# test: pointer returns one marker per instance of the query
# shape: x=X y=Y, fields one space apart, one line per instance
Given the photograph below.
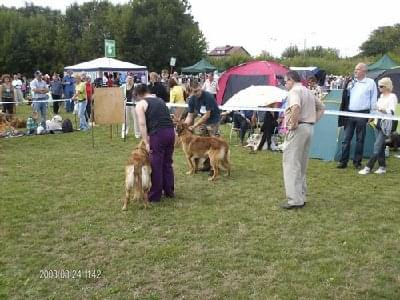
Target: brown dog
x=138 y=175
x=200 y=147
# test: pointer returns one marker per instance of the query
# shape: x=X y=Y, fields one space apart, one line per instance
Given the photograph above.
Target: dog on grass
x=200 y=147
x=138 y=175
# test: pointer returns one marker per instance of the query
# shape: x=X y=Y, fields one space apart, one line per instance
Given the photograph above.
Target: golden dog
x=202 y=147
x=138 y=175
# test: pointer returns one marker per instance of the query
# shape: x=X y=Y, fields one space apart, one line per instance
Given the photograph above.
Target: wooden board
x=109 y=105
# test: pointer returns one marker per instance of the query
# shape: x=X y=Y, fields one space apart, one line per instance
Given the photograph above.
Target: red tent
x=240 y=77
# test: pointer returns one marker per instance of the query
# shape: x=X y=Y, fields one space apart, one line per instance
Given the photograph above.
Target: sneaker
x=365 y=171
x=381 y=170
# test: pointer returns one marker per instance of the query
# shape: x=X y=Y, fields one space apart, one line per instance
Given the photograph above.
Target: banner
x=109 y=48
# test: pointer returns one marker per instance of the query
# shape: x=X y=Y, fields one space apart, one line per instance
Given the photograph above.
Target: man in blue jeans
x=363 y=97
x=40 y=90
x=69 y=91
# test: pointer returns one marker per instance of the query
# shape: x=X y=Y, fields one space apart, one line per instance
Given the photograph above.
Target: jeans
x=379 y=150
x=69 y=104
x=359 y=125
x=82 y=115
x=88 y=110
x=41 y=108
x=56 y=104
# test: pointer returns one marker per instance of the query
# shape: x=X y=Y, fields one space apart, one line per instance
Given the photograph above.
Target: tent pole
x=91 y=120
x=124 y=127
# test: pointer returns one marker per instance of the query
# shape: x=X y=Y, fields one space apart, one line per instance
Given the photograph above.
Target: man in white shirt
x=17 y=84
x=210 y=85
x=40 y=90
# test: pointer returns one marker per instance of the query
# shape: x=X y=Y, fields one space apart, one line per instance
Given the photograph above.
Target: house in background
x=226 y=51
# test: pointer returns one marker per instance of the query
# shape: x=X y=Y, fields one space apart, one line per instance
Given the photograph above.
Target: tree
x=159 y=29
x=382 y=40
x=225 y=63
x=290 y=51
x=147 y=32
x=265 y=55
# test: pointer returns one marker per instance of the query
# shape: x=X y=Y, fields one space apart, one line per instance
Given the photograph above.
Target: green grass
x=61 y=210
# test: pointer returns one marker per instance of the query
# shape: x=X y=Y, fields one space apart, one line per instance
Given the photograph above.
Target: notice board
x=108 y=105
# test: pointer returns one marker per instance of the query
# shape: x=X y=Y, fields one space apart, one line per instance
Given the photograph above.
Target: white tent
x=105 y=64
x=95 y=68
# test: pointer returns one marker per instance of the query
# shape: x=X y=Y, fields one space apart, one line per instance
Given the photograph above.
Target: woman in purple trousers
x=157 y=130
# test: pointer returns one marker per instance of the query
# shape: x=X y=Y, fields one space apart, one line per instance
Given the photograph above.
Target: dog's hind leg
x=127 y=197
x=128 y=185
x=191 y=166
x=225 y=163
x=214 y=161
x=146 y=199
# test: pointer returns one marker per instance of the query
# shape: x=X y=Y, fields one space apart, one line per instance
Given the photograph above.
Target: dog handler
x=157 y=130
x=304 y=110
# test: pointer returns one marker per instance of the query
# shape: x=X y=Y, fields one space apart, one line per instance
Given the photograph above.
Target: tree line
x=383 y=40
x=147 y=32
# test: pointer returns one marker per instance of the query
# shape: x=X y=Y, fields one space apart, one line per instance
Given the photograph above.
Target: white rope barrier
x=37 y=101
x=227 y=108
x=327 y=112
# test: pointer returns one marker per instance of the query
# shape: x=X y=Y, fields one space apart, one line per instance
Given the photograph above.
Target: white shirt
x=17 y=83
x=210 y=87
x=35 y=84
x=387 y=103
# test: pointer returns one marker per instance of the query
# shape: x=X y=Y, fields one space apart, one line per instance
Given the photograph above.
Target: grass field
x=61 y=211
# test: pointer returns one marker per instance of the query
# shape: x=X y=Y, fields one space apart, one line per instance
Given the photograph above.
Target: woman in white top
x=130 y=113
x=386 y=105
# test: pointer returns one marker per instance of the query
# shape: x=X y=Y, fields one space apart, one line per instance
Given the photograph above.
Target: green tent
x=383 y=64
x=327 y=140
x=202 y=66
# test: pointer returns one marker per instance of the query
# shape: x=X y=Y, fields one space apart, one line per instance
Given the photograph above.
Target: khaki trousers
x=294 y=161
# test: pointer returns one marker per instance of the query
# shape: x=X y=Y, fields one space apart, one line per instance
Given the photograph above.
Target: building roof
x=227 y=50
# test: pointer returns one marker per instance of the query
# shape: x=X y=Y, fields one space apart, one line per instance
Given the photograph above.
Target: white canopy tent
x=100 y=65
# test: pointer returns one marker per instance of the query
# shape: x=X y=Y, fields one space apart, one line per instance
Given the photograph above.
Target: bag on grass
x=67 y=126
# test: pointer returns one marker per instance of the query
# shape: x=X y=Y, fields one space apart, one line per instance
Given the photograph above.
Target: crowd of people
x=193 y=100
x=302 y=110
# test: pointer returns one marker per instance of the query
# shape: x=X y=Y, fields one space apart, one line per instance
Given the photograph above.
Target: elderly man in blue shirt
x=363 y=98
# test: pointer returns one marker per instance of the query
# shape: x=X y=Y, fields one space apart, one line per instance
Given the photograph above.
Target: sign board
x=108 y=105
x=109 y=48
x=172 y=62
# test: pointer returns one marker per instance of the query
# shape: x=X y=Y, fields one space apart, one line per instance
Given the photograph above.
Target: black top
x=158 y=89
x=206 y=102
x=157 y=115
x=128 y=96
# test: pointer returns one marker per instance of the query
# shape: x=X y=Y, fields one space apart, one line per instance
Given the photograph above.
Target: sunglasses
x=381 y=86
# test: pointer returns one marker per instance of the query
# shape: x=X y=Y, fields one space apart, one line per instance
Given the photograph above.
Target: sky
x=259 y=25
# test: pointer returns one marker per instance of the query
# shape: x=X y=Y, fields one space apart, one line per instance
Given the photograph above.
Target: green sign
x=109 y=48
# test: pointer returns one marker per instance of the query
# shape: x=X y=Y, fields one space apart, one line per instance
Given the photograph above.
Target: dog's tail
x=137 y=181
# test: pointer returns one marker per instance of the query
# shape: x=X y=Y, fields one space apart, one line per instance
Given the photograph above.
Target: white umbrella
x=255 y=96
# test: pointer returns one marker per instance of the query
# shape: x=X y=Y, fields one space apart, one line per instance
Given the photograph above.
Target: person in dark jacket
x=157 y=88
x=158 y=133
x=268 y=128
